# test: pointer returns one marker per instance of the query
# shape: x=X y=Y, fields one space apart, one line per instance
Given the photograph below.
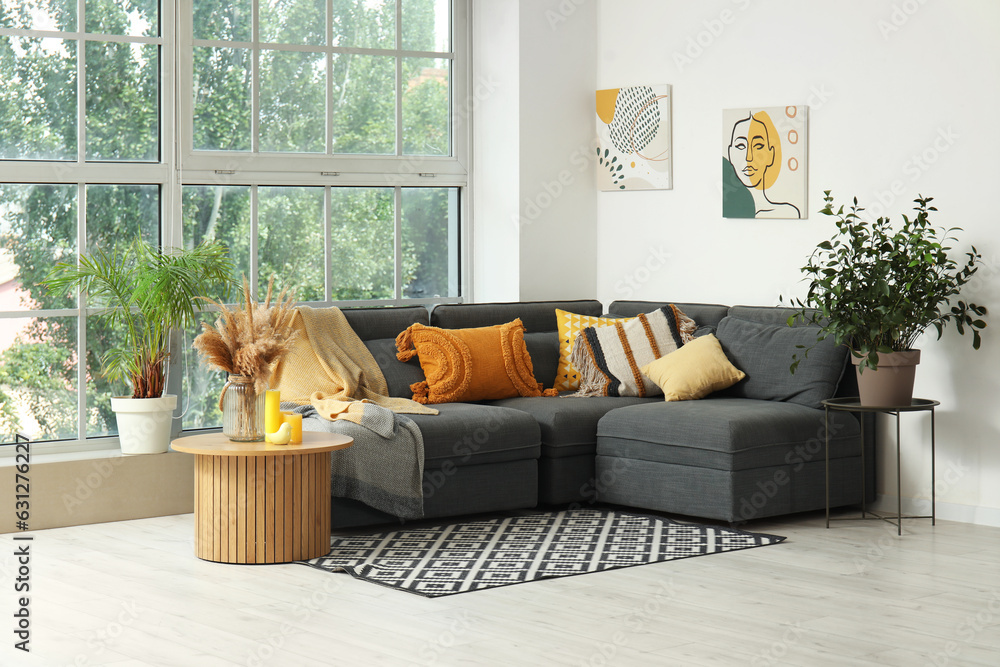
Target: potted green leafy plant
x=877 y=289
x=145 y=293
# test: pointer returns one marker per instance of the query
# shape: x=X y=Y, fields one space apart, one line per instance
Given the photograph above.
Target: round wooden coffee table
x=255 y=502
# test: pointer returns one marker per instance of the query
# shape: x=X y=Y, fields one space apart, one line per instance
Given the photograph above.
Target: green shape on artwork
x=736 y=201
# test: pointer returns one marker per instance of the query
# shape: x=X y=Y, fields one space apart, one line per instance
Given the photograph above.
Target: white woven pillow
x=609 y=357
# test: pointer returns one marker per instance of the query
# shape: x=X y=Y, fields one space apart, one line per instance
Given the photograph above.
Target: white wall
x=495 y=173
x=558 y=62
x=535 y=215
x=900 y=104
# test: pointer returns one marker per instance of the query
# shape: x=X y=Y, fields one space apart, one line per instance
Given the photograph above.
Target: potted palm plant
x=878 y=289
x=145 y=293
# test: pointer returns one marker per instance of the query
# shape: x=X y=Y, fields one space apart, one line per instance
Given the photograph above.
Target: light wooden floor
x=132 y=593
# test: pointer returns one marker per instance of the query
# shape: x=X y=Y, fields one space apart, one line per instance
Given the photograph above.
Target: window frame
x=179 y=165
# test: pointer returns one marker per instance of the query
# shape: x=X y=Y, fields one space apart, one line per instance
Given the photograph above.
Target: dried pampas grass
x=251 y=338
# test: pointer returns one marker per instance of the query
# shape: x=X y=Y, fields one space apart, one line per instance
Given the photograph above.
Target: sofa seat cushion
x=725 y=433
x=470 y=434
x=569 y=425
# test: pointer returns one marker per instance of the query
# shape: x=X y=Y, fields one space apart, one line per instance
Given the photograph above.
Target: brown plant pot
x=891 y=384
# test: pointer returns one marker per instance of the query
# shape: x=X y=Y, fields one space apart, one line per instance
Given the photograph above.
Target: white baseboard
x=981 y=516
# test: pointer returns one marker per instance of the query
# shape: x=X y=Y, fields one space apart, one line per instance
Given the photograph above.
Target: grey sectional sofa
x=752 y=451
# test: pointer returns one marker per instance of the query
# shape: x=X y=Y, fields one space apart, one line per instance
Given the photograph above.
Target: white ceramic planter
x=144 y=423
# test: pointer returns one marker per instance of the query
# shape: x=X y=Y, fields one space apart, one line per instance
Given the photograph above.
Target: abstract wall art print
x=764 y=162
x=633 y=138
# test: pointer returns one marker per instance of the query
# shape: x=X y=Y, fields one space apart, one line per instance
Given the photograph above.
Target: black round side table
x=853 y=404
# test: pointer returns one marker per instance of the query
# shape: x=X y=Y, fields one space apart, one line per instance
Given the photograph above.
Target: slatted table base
x=262 y=509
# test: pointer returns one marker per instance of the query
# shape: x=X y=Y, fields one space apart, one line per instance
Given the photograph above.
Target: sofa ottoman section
x=732 y=459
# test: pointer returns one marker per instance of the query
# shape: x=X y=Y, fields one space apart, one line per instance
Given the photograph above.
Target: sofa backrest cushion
x=543 y=347
x=536 y=316
x=764 y=352
x=378 y=328
x=766 y=315
x=374 y=323
x=706 y=315
x=398 y=375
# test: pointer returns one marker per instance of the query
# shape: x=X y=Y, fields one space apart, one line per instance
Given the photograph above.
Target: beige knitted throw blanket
x=331 y=369
x=338 y=387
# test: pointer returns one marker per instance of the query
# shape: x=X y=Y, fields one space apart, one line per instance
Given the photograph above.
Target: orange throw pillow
x=470 y=364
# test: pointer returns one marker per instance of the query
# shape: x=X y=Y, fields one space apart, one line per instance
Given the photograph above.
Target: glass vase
x=242 y=410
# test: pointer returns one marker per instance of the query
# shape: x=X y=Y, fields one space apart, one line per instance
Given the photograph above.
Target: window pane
x=118 y=213
x=38 y=378
x=38 y=226
x=292 y=102
x=139 y=18
x=368 y=24
x=362 y=222
x=430 y=242
x=37 y=98
x=426 y=128
x=219 y=213
x=290 y=233
x=426 y=25
x=100 y=418
x=221 y=99
x=201 y=386
x=38 y=14
x=364 y=104
x=223 y=19
x=122 y=101
x=293 y=21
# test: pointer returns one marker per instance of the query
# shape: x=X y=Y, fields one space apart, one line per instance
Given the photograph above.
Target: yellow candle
x=296 y=421
x=272 y=411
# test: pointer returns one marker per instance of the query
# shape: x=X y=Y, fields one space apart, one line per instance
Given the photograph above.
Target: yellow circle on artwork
x=633 y=165
x=606 y=100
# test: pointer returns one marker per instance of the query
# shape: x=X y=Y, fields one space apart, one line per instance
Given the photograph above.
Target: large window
x=315 y=138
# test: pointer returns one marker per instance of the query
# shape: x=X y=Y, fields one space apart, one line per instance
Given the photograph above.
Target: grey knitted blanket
x=384 y=469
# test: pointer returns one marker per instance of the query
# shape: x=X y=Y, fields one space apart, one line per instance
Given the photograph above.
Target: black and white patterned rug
x=471 y=556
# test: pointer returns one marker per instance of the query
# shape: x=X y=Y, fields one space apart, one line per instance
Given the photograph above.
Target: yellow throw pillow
x=570 y=325
x=694 y=370
x=476 y=364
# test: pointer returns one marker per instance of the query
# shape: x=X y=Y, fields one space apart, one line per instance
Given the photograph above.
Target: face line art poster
x=764 y=162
